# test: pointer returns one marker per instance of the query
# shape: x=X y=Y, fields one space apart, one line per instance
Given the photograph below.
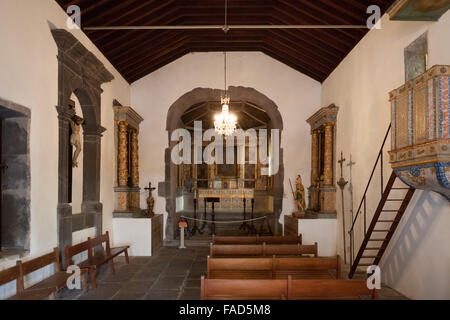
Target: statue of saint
x=75 y=138
x=299 y=198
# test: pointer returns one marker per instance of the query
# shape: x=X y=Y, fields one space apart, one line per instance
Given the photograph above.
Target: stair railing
x=363 y=204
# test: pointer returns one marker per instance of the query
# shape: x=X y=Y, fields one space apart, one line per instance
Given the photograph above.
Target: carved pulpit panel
x=127 y=191
x=322 y=191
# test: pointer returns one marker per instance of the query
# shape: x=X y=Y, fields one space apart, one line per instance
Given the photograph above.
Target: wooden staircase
x=383 y=225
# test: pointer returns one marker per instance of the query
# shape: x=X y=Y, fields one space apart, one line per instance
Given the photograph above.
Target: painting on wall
x=418 y=10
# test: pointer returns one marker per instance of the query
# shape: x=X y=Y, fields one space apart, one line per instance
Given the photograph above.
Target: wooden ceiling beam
x=290 y=61
x=148 y=67
x=297 y=55
x=319 y=37
x=318 y=53
x=130 y=17
x=288 y=7
x=149 y=49
x=151 y=55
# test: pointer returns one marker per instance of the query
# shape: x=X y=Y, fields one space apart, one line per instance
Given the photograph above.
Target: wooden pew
x=307 y=268
x=238 y=289
x=41 y=290
x=97 y=259
x=258 y=239
x=307 y=289
x=258 y=250
x=273 y=268
x=219 y=289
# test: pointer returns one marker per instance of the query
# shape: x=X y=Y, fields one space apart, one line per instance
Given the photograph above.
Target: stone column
x=134 y=159
x=123 y=155
x=314 y=158
x=328 y=155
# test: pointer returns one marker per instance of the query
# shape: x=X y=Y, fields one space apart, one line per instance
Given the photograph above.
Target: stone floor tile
x=190 y=294
x=102 y=292
x=168 y=283
x=162 y=295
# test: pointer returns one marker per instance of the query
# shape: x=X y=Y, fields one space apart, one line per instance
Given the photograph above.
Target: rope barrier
x=224 y=222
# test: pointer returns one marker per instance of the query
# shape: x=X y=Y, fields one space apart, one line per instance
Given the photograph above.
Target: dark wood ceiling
x=136 y=53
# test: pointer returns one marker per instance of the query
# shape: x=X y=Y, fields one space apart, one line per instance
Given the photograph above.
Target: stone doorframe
x=167 y=189
x=81 y=73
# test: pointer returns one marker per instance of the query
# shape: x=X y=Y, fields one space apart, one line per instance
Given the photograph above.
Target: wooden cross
x=150 y=187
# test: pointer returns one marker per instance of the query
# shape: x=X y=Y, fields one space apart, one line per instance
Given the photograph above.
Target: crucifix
x=350 y=186
x=150 y=200
x=341 y=183
x=75 y=137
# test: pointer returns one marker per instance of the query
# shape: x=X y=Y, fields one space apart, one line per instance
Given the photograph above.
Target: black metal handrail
x=363 y=200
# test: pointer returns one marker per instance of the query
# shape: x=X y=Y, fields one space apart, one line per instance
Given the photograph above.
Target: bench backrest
x=267 y=268
x=71 y=251
x=239 y=268
x=98 y=241
x=257 y=239
x=41 y=262
x=328 y=289
x=233 y=289
x=236 y=250
x=11 y=274
x=219 y=289
x=282 y=267
x=289 y=249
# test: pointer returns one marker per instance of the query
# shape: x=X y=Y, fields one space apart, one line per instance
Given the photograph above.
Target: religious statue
x=150 y=200
x=299 y=197
x=75 y=138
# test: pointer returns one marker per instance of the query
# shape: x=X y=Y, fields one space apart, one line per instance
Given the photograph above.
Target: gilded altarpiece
x=127 y=191
x=322 y=191
x=420 y=119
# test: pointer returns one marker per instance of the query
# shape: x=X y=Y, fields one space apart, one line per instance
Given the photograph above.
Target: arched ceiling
x=136 y=53
x=248 y=115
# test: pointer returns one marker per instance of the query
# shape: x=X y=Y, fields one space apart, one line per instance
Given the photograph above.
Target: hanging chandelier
x=225 y=122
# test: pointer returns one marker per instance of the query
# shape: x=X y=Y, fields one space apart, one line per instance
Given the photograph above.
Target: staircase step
x=364 y=264
x=394 y=199
x=377 y=239
x=380 y=230
x=386 y=220
x=400 y=189
x=389 y=210
x=367 y=257
x=372 y=248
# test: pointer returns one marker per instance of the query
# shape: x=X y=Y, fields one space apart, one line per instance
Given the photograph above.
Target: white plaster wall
x=296 y=95
x=137 y=233
x=322 y=231
x=29 y=76
x=417 y=263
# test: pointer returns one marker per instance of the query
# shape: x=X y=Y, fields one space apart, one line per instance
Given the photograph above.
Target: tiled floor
x=169 y=275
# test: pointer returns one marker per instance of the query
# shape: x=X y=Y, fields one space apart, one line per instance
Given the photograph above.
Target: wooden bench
x=234 y=289
x=258 y=240
x=43 y=289
x=97 y=259
x=307 y=289
x=258 y=250
x=274 y=268
x=220 y=289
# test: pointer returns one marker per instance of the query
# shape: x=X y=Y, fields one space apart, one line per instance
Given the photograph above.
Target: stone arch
x=81 y=73
x=198 y=95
